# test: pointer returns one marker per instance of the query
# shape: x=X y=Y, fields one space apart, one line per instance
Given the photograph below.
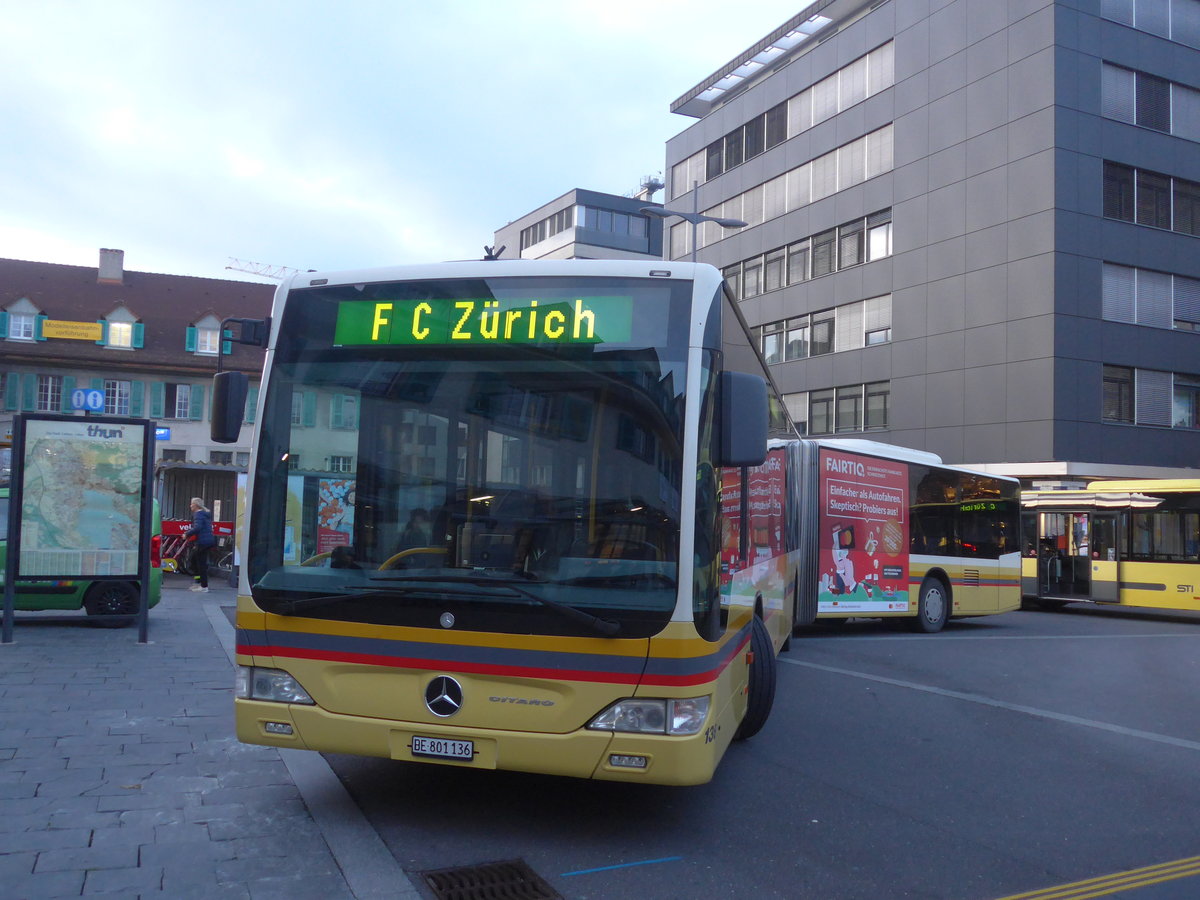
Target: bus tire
x=933 y=607
x=111 y=598
x=760 y=694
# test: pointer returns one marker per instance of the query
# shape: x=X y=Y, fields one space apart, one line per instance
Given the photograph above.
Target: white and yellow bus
x=890 y=532
x=1123 y=543
x=485 y=523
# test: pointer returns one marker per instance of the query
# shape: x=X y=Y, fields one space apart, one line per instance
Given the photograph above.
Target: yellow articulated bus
x=1122 y=543
x=894 y=533
x=487 y=527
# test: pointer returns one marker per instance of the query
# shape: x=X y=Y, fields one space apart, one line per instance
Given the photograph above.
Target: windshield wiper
x=606 y=627
x=628 y=579
x=603 y=626
x=354 y=592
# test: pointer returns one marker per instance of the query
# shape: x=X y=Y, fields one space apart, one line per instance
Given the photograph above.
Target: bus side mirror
x=743 y=419
x=228 y=406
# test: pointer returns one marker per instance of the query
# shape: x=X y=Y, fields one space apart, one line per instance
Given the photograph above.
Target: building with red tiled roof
x=149 y=342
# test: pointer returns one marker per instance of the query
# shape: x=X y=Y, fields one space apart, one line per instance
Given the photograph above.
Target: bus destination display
x=468 y=321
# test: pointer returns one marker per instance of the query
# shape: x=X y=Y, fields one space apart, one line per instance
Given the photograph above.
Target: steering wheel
x=392 y=561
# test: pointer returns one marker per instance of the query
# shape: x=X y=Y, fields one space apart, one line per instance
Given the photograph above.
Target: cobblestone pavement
x=120 y=774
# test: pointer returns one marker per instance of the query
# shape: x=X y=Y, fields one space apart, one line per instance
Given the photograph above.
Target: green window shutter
x=68 y=386
x=12 y=391
x=29 y=392
x=97 y=384
x=226 y=348
x=3 y=323
x=139 y=335
x=137 y=398
x=103 y=323
x=190 y=341
x=251 y=405
x=335 y=411
x=310 y=409
x=158 y=392
x=37 y=328
x=196 y=408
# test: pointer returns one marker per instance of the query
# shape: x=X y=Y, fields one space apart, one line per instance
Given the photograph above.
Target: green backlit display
x=583 y=320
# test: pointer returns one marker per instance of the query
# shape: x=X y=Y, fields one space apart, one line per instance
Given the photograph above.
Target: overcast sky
x=330 y=135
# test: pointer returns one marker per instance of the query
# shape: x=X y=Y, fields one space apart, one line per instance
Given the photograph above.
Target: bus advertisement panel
x=863 y=534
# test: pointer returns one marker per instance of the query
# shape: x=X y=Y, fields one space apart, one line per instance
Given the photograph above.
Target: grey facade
x=1043 y=255
x=584 y=224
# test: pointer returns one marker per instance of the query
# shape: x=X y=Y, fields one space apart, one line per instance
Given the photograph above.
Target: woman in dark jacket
x=202 y=531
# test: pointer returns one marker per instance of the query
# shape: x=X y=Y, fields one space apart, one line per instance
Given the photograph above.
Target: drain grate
x=508 y=880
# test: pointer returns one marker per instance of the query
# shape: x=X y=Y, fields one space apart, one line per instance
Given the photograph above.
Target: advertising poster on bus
x=765 y=488
x=335 y=513
x=863 y=536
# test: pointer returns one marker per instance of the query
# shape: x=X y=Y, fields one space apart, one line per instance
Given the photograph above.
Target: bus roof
x=506 y=268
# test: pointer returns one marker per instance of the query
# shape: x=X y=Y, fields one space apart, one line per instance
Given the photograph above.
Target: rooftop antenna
x=650 y=185
x=278 y=273
x=491 y=253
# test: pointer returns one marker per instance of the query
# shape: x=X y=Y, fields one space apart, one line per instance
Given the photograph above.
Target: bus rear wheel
x=760 y=695
x=111 y=598
x=933 y=607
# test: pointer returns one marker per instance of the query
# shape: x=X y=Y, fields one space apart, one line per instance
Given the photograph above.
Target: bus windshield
x=500 y=455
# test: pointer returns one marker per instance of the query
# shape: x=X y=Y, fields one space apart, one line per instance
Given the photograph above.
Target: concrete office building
x=974 y=226
x=584 y=224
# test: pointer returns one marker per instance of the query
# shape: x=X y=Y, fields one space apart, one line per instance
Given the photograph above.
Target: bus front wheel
x=760 y=694
x=933 y=607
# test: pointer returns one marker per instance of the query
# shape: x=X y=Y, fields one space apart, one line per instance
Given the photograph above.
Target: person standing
x=201 y=531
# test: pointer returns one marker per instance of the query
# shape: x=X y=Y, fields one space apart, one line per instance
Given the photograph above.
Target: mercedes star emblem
x=444 y=696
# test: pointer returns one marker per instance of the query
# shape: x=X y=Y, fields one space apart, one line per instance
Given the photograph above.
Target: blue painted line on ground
x=644 y=862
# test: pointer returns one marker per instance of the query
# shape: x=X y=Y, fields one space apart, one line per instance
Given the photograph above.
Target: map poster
x=83 y=489
x=863 y=533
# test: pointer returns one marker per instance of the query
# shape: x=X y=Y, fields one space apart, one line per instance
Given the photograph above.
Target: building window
x=208 y=340
x=297 y=408
x=243 y=458
x=878 y=401
x=341 y=464
x=772 y=343
x=220 y=457
x=293 y=462
x=796 y=345
x=1186 y=402
x=1118 y=394
x=820 y=411
x=49 y=393
x=849 y=408
x=1118 y=192
x=173 y=454
x=822 y=333
x=177 y=401
x=116 y=398
x=21 y=326
x=1186 y=300
x=343 y=411
x=120 y=335
x=1153 y=199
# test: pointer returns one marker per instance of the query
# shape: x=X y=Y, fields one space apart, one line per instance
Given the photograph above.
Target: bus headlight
x=640 y=716
x=254 y=683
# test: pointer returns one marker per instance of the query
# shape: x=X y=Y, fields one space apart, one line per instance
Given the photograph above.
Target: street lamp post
x=694 y=217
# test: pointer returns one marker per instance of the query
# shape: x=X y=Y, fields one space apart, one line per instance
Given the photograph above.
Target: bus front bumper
x=602 y=755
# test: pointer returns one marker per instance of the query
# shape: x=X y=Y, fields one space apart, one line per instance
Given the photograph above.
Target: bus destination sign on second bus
x=590 y=320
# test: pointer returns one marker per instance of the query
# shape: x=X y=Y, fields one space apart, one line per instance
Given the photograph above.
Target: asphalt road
x=1005 y=755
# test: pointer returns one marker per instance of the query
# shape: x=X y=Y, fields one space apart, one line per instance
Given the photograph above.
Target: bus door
x=1103 y=548
x=1064 y=554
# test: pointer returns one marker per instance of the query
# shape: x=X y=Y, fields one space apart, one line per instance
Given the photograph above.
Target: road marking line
x=1119 y=881
x=1000 y=704
x=644 y=862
